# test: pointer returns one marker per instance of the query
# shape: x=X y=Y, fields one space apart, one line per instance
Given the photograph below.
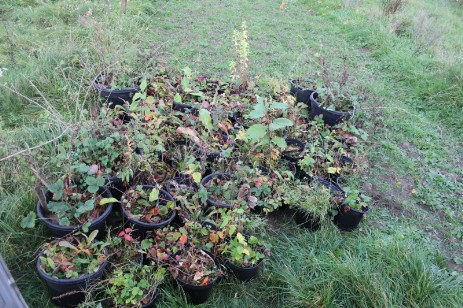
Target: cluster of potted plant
x=186 y=166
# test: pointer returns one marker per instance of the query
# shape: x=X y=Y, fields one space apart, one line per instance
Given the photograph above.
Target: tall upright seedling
x=239 y=68
x=269 y=131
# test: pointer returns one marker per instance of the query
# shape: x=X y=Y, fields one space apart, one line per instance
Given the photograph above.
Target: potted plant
x=116 y=90
x=70 y=265
x=302 y=89
x=148 y=207
x=351 y=207
x=196 y=272
x=124 y=248
x=335 y=107
x=220 y=190
x=134 y=285
x=244 y=256
x=311 y=203
x=73 y=202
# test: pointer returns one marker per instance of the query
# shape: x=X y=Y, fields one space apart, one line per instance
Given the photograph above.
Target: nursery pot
x=330 y=117
x=143 y=227
x=114 y=97
x=186 y=108
x=244 y=274
x=221 y=176
x=59 y=231
x=199 y=294
x=297 y=143
x=116 y=186
x=302 y=94
x=306 y=220
x=349 y=221
x=69 y=292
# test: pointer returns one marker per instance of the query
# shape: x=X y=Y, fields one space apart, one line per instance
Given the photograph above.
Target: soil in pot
x=294 y=151
x=330 y=117
x=198 y=293
x=147 y=208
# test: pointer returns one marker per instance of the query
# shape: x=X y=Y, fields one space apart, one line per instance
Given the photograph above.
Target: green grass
x=405 y=251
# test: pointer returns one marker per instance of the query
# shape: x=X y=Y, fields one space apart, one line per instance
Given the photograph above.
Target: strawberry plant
x=73 y=256
x=147 y=204
x=76 y=200
x=134 y=285
x=245 y=252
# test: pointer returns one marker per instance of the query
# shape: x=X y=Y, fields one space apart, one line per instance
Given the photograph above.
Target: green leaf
x=256 y=131
x=108 y=200
x=280 y=142
x=277 y=105
x=205 y=117
x=259 y=111
x=185 y=83
x=197 y=177
x=67 y=245
x=92 y=189
x=232 y=230
x=177 y=99
x=85 y=226
x=154 y=195
x=28 y=221
x=143 y=85
x=92 y=236
x=253 y=240
x=187 y=71
x=280 y=123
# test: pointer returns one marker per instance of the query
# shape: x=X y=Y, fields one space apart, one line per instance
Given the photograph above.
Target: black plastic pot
x=56 y=230
x=69 y=292
x=302 y=94
x=186 y=108
x=306 y=220
x=330 y=117
x=207 y=179
x=199 y=294
x=143 y=227
x=349 y=221
x=116 y=186
x=297 y=143
x=332 y=187
x=114 y=97
x=244 y=274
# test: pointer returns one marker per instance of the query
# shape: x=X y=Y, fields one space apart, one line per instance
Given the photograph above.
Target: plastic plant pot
x=114 y=97
x=330 y=117
x=70 y=292
x=306 y=220
x=349 y=221
x=293 y=142
x=244 y=274
x=207 y=179
x=151 y=303
x=56 y=230
x=141 y=227
x=302 y=94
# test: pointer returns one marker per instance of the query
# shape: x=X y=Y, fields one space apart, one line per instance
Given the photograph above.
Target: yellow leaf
x=246 y=252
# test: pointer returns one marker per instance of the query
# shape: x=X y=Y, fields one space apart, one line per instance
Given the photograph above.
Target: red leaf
x=122 y=233
x=128 y=237
x=183 y=239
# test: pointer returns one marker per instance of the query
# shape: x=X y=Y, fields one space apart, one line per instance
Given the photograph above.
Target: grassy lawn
x=408 y=252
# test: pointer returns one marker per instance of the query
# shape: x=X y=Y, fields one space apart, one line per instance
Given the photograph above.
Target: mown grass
x=413 y=158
